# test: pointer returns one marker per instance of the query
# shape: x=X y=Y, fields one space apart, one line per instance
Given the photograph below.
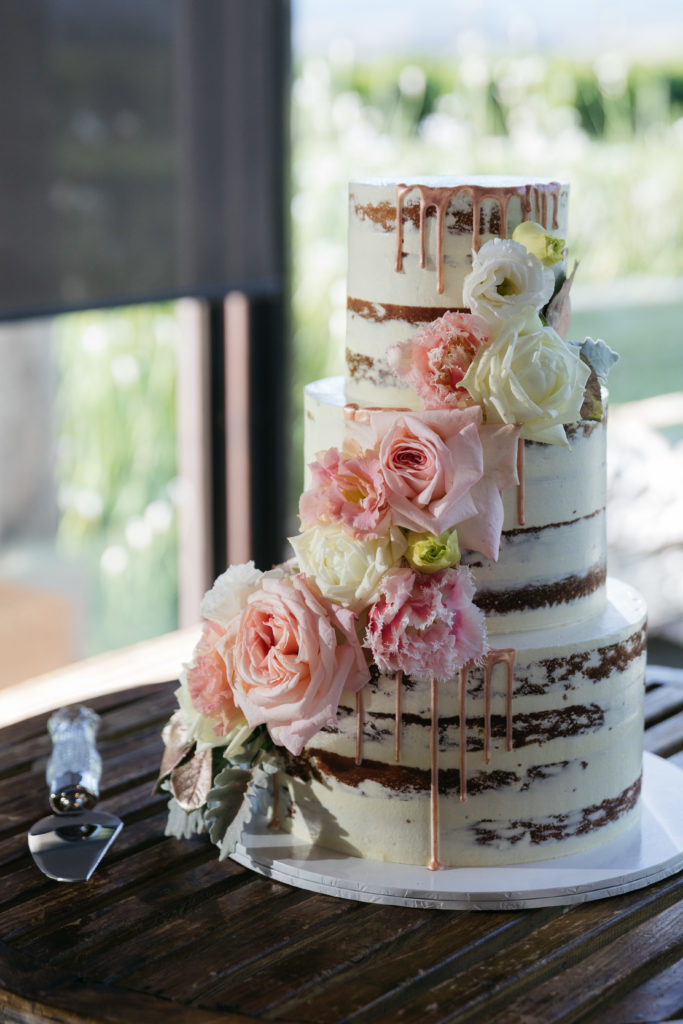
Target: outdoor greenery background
x=613 y=128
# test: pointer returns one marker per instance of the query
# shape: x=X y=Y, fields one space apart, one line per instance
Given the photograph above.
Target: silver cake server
x=69 y=844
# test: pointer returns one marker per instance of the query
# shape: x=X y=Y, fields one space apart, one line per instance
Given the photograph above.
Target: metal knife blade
x=69 y=844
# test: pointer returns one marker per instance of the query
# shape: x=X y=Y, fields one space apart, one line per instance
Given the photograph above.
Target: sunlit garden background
x=612 y=127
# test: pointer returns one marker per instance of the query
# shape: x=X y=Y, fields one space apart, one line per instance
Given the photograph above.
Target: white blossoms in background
x=345 y=569
x=505 y=282
x=529 y=375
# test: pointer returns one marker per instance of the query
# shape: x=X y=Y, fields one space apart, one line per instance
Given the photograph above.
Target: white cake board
x=648 y=852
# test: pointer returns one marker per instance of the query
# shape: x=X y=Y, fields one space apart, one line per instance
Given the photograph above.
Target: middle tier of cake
x=551 y=569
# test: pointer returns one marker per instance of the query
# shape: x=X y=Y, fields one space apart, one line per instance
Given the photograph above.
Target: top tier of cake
x=410 y=248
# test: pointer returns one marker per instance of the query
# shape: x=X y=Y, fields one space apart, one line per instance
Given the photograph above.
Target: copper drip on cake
x=399 y=717
x=434 y=863
x=501 y=656
x=400 y=192
x=521 y=512
x=462 y=734
x=274 y=822
x=439 y=199
x=350 y=410
x=359 y=727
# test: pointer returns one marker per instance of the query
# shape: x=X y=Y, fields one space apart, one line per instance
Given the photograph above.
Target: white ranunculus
x=506 y=280
x=229 y=594
x=346 y=570
x=529 y=375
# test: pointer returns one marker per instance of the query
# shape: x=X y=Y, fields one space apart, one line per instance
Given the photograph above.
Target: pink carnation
x=426 y=626
x=434 y=361
x=346 y=490
x=288 y=657
x=207 y=681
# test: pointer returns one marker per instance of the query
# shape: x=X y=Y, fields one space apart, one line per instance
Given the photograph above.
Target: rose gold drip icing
x=521 y=512
x=353 y=414
x=488 y=673
x=399 y=718
x=274 y=822
x=440 y=199
x=500 y=656
x=359 y=727
x=509 y=659
x=400 y=192
x=462 y=736
x=434 y=863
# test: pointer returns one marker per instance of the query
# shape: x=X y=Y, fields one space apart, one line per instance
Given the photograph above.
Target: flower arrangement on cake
x=377 y=578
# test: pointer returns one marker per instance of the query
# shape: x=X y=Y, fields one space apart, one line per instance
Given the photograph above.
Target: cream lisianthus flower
x=505 y=281
x=429 y=553
x=546 y=246
x=531 y=376
x=345 y=569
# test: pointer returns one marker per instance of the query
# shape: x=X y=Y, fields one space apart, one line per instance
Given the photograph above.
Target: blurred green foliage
x=116 y=469
x=612 y=128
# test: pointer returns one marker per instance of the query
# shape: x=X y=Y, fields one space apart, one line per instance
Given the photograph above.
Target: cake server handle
x=75 y=766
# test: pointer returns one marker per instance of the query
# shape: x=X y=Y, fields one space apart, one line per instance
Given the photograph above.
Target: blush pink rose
x=442 y=469
x=288 y=657
x=434 y=361
x=208 y=684
x=430 y=467
x=348 y=490
x=426 y=626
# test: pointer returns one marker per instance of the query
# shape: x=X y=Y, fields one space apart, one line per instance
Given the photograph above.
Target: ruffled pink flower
x=434 y=361
x=207 y=681
x=346 y=490
x=426 y=626
x=288 y=657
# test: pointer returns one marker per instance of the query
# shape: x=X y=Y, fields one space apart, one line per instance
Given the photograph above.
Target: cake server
x=69 y=844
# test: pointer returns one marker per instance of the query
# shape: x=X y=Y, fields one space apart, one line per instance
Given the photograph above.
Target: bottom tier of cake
x=538 y=754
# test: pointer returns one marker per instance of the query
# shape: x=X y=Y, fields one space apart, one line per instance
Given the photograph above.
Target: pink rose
x=434 y=361
x=288 y=657
x=207 y=681
x=426 y=626
x=442 y=469
x=429 y=466
x=346 y=490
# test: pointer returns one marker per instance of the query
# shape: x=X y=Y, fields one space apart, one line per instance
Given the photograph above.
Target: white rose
x=228 y=596
x=529 y=375
x=506 y=280
x=346 y=570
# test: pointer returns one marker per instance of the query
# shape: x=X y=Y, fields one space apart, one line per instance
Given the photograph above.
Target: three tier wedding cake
x=443 y=675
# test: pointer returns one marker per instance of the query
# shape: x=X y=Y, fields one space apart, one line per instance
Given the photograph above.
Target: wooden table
x=164 y=932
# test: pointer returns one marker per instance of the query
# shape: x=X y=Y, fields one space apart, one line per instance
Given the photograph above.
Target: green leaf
x=183 y=824
x=238 y=795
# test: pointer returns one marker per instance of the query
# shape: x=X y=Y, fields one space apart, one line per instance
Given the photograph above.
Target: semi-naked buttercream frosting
x=444 y=674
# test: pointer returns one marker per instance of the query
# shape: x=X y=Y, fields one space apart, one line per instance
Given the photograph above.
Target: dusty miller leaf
x=183 y=824
x=238 y=795
x=599 y=357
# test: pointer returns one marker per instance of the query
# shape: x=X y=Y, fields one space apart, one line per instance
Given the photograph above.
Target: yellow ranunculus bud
x=542 y=244
x=429 y=553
